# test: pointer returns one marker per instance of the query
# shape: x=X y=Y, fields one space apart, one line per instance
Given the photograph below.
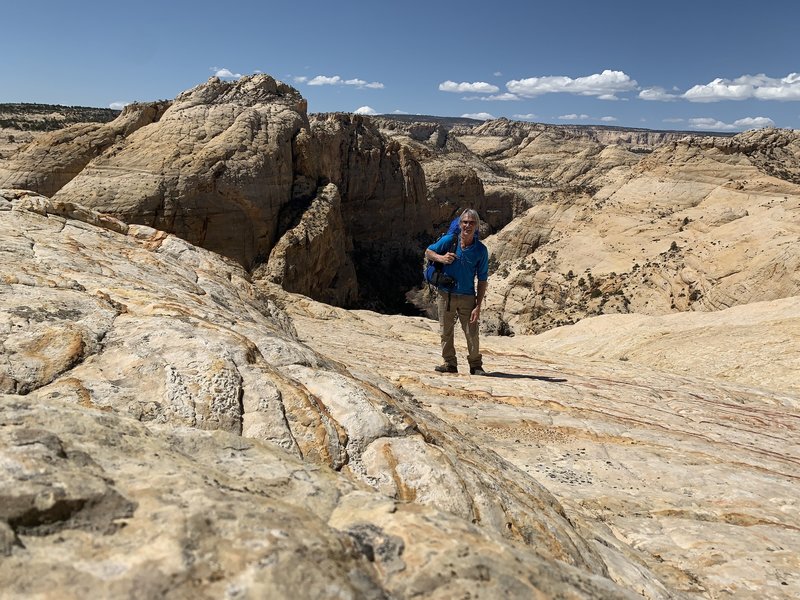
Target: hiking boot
x=476 y=371
x=446 y=369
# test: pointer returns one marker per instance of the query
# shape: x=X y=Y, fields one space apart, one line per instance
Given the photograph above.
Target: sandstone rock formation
x=515 y=133
x=676 y=435
x=311 y=258
x=232 y=166
x=384 y=206
x=455 y=177
x=50 y=161
x=754 y=344
x=597 y=221
x=168 y=433
x=21 y=123
x=588 y=220
x=701 y=224
x=181 y=424
x=216 y=169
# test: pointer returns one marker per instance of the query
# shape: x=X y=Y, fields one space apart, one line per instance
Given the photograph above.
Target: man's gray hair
x=471 y=212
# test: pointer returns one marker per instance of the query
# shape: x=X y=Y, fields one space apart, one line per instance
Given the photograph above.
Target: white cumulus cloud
x=740 y=124
x=719 y=89
x=754 y=122
x=494 y=97
x=118 y=105
x=746 y=87
x=608 y=119
x=324 y=80
x=673 y=120
x=478 y=87
x=365 y=110
x=657 y=93
x=573 y=117
x=479 y=116
x=224 y=73
x=710 y=124
x=606 y=85
x=336 y=80
x=527 y=117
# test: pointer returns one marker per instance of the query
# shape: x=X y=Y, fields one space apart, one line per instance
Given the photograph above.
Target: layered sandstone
x=384 y=206
x=587 y=220
x=216 y=169
x=310 y=258
x=48 y=162
x=676 y=435
x=702 y=224
x=455 y=177
x=168 y=433
x=515 y=133
x=232 y=167
x=279 y=425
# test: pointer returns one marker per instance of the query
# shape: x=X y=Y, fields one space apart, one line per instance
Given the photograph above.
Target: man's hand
x=475 y=314
x=448 y=258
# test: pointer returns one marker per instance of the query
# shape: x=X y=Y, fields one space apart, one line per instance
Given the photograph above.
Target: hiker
x=464 y=258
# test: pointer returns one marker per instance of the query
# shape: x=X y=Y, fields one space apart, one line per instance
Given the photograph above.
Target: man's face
x=468 y=225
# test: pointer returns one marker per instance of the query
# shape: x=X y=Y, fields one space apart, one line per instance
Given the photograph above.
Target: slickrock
x=774 y=151
x=755 y=344
x=590 y=220
x=379 y=180
x=699 y=225
x=167 y=434
x=552 y=155
x=651 y=224
x=232 y=167
x=99 y=505
x=176 y=424
x=455 y=177
x=52 y=160
x=216 y=169
x=694 y=465
x=514 y=132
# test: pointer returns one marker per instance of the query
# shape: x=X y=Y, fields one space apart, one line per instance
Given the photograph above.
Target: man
x=470 y=260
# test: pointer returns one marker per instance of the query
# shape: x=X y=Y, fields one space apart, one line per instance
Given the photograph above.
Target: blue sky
x=705 y=64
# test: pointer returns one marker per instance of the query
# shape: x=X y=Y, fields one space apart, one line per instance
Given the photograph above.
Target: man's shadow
x=502 y=375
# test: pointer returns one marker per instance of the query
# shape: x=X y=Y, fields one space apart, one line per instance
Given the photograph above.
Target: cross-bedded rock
x=189 y=443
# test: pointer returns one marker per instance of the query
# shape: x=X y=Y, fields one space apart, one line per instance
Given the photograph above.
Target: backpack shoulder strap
x=454 y=245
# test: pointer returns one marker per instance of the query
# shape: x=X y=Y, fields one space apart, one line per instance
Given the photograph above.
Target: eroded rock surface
x=676 y=436
x=216 y=169
x=233 y=167
x=384 y=206
x=702 y=224
x=314 y=258
x=594 y=221
x=50 y=161
x=167 y=433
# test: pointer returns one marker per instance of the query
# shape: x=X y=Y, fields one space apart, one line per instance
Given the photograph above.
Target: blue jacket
x=470 y=263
